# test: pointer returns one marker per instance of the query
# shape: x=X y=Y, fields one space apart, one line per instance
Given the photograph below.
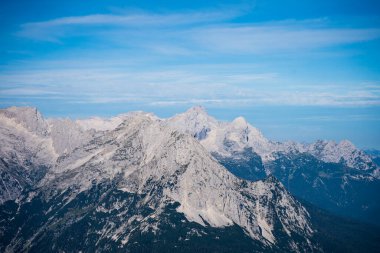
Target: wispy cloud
x=53 y=30
x=196 y=32
x=340 y=118
x=179 y=86
x=272 y=37
x=280 y=98
x=196 y=44
x=33 y=91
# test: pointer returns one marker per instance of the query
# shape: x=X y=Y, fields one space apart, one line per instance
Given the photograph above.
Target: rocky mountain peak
x=147 y=156
x=346 y=144
x=240 y=122
x=29 y=117
x=196 y=110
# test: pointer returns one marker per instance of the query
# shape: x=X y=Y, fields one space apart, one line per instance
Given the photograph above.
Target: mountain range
x=138 y=183
x=335 y=176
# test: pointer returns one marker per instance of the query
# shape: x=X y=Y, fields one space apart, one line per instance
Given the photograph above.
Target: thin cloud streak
x=52 y=30
x=264 y=39
x=26 y=92
x=188 y=34
x=198 y=32
x=165 y=88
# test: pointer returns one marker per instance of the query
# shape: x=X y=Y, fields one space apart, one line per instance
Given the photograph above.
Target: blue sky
x=301 y=70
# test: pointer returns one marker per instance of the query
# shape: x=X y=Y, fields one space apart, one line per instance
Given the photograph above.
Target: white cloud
x=189 y=40
x=26 y=92
x=267 y=38
x=207 y=32
x=180 y=86
x=53 y=30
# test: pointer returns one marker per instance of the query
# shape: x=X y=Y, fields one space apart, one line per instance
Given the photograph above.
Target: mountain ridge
x=158 y=166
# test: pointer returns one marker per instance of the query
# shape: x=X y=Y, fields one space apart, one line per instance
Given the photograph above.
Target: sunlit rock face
x=335 y=176
x=116 y=184
x=139 y=177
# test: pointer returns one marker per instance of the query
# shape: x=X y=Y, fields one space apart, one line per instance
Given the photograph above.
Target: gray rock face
x=161 y=169
x=229 y=138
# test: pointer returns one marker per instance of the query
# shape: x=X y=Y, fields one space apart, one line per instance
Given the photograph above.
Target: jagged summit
x=199 y=109
x=107 y=124
x=228 y=138
x=194 y=121
x=347 y=144
x=28 y=117
x=218 y=137
x=138 y=174
x=148 y=157
x=196 y=113
x=345 y=151
x=240 y=121
x=47 y=139
x=221 y=137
